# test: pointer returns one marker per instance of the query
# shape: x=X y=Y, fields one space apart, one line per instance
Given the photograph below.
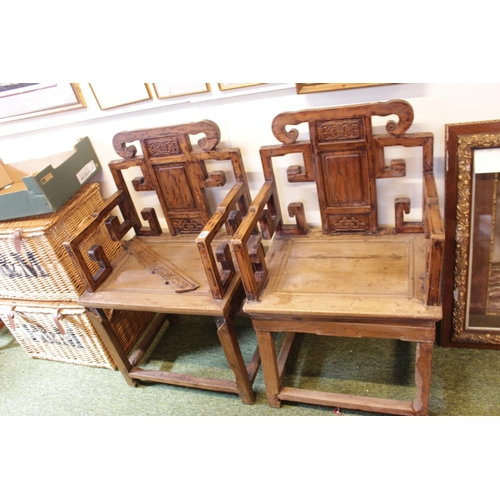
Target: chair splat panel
x=176 y=171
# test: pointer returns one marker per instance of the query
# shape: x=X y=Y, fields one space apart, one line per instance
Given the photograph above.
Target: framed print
x=232 y=86
x=471 y=298
x=167 y=90
x=19 y=101
x=114 y=95
x=308 y=88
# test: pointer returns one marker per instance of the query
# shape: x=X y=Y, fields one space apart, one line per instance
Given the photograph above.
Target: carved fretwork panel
x=341 y=130
x=348 y=223
x=163 y=147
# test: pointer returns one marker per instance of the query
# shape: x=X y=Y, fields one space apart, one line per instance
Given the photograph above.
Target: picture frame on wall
x=115 y=95
x=169 y=90
x=19 y=101
x=233 y=86
x=471 y=298
x=309 y=88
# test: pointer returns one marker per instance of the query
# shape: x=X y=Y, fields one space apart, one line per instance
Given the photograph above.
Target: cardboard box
x=35 y=187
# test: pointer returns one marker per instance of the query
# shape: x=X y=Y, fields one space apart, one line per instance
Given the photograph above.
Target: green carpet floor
x=464 y=381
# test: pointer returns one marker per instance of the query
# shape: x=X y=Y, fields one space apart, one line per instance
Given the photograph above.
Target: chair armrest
x=432 y=222
x=227 y=214
x=434 y=231
x=247 y=245
x=94 y=230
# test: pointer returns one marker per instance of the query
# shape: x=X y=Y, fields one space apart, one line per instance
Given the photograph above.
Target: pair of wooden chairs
x=348 y=278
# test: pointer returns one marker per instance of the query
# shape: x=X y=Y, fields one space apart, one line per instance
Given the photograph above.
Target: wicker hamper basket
x=64 y=332
x=34 y=264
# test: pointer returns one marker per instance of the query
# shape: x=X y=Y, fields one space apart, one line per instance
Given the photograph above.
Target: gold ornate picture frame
x=471 y=298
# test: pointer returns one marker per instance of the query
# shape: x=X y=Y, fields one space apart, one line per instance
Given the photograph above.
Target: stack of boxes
x=39 y=285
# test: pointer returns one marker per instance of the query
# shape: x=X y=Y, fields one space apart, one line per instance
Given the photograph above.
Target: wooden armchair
x=188 y=271
x=349 y=277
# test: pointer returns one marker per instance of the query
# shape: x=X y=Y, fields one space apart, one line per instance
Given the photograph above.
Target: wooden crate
x=34 y=264
x=64 y=332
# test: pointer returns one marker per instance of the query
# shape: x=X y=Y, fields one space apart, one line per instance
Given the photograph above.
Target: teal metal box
x=27 y=192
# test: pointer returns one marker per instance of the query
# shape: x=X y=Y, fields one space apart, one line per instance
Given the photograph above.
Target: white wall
x=245 y=122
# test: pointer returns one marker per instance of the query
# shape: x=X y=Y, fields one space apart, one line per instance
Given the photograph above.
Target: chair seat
x=132 y=286
x=352 y=276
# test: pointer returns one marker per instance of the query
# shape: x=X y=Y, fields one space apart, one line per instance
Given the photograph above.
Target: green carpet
x=464 y=381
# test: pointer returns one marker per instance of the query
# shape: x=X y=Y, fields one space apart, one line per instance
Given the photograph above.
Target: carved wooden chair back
x=344 y=158
x=176 y=172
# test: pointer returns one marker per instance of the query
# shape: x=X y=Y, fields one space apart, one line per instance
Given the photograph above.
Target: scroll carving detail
x=395 y=107
x=207 y=127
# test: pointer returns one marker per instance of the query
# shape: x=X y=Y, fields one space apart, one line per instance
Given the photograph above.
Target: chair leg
x=270 y=368
x=109 y=339
x=423 y=368
x=229 y=342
